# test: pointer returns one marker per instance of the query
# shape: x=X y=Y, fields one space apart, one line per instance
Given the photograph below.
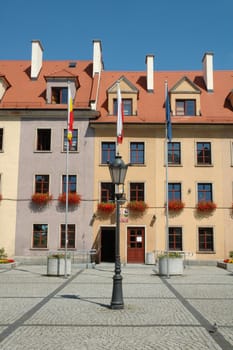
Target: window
x=175 y=238
x=1 y=139
x=136 y=191
x=107 y=191
x=40 y=235
x=127 y=106
x=203 y=153
x=186 y=107
x=174 y=191
x=174 y=155
x=108 y=152
x=59 y=95
x=70 y=235
x=137 y=152
x=72 y=186
x=42 y=184
x=204 y=192
x=73 y=146
x=43 y=139
x=205 y=239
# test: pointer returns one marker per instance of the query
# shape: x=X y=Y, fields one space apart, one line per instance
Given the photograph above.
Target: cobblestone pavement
x=41 y=312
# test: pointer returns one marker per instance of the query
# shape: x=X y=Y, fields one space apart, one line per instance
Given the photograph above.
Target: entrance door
x=136 y=245
x=107 y=244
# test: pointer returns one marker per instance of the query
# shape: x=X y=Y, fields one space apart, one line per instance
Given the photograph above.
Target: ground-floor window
x=70 y=235
x=40 y=236
x=175 y=238
x=205 y=239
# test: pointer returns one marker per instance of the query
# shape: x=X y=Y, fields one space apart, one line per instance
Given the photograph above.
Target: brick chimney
x=150 y=73
x=97 y=57
x=207 y=62
x=37 y=58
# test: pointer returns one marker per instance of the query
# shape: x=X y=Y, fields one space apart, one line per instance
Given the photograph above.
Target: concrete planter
x=175 y=266
x=56 y=266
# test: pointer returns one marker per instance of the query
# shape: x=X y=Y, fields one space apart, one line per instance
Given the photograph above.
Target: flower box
x=175 y=205
x=206 y=206
x=137 y=206
x=172 y=264
x=106 y=208
x=41 y=198
x=73 y=198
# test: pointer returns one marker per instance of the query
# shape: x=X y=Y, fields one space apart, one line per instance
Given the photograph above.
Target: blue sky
x=177 y=33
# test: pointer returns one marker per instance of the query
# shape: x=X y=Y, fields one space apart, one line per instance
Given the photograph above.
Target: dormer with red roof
x=4 y=85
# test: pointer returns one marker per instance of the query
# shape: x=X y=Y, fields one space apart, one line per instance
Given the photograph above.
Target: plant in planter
x=41 y=198
x=106 y=207
x=137 y=206
x=4 y=259
x=175 y=205
x=206 y=206
x=56 y=264
x=73 y=198
x=172 y=263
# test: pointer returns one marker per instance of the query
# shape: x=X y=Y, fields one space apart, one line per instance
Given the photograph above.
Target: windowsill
x=206 y=252
x=70 y=151
x=174 y=165
x=41 y=249
x=36 y=151
x=204 y=165
x=137 y=164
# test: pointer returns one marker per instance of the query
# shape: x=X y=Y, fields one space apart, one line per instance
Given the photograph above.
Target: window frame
x=172 y=153
x=137 y=193
x=70 y=183
x=205 y=242
x=127 y=106
x=184 y=110
x=172 y=192
x=203 y=156
x=37 y=184
x=40 y=232
x=71 y=230
x=40 y=147
x=137 y=153
x=177 y=234
x=204 y=191
x=59 y=94
x=110 y=192
x=111 y=153
x=75 y=141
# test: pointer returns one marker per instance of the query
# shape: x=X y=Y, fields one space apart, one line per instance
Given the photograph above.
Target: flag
x=168 y=116
x=70 y=116
x=120 y=116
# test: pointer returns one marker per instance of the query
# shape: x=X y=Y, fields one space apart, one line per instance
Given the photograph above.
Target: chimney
x=150 y=73
x=36 y=60
x=207 y=62
x=97 y=57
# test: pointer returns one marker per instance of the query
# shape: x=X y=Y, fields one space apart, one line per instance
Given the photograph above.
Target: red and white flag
x=70 y=116
x=120 y=116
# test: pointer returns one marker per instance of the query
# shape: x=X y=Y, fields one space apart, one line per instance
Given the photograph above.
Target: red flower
x=206 y=206
x=106 y=207
x=175 y=205
x=41 y=198
x=73 y=198
x=137 y=206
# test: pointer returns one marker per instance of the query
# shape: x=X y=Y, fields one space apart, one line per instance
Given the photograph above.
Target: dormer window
x=186 y=107
x=127 y=106
x=59 y=95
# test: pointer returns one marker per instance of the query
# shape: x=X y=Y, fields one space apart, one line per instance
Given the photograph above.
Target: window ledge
x=175 y=165
x=204 y=165
x=137 y=164
x=206 y=252
x=40 y=249
x=42 y=151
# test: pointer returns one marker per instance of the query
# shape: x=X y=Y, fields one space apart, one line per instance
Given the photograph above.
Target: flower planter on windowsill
x=175 y=264
x=73 y=198
x=137 y=207
x=41 y=198
x=106 y=208
x=56 y=265
x=175 y=205
x=206 y=206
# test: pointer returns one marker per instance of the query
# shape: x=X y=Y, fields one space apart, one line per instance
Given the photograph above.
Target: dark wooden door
x=136 y=245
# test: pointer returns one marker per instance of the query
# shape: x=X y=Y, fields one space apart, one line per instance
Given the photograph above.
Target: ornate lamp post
x=118 y=171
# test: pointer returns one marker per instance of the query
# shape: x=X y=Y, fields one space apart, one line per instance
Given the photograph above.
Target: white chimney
x=207 y=63
x=97 y=57
x=37 y=58
x=150 y=73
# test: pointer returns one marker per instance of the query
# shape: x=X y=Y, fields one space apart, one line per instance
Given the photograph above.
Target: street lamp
x=118 y=171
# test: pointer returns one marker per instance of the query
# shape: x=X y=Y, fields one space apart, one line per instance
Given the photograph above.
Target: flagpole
x=166 y=162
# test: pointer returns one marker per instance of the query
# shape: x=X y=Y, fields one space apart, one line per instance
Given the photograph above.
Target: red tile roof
x=27 y=93
x=151 y=109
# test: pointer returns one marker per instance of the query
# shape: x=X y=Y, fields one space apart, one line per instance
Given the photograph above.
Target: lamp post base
x=117 y=302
